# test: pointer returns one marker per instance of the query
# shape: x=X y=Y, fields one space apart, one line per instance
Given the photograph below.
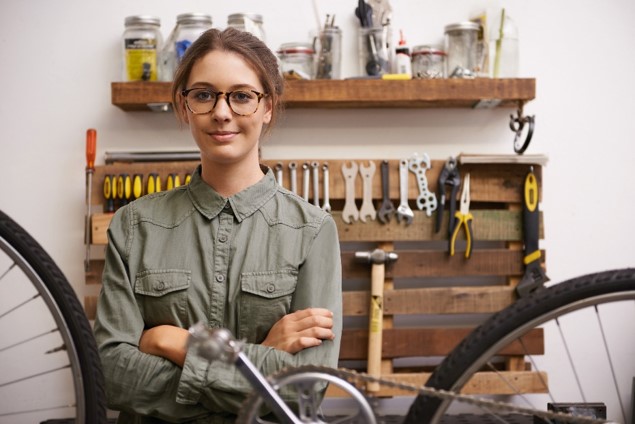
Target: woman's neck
x=229 y=179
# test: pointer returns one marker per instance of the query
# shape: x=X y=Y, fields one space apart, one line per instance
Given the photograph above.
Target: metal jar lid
x=295 y=48
x=142 y=20
x=463 y=26
x=194 y=18
x=427 y=50
x=239 y=17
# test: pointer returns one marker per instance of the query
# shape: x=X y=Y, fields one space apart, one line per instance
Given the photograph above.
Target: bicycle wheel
x=49 y=364
x=603 y=304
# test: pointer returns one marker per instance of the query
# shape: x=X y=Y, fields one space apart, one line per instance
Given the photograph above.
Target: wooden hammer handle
x=375 y=327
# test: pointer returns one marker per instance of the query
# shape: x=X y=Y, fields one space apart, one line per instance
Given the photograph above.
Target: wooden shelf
x=418 y=93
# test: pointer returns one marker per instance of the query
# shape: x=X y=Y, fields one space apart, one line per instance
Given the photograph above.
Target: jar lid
x=296 y=47
x=427 y=49
x=241 y=16
x=463 y=26
x=194 y=18
x=142 y=20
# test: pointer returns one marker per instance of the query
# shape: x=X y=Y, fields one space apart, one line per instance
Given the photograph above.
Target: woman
x=231 y=249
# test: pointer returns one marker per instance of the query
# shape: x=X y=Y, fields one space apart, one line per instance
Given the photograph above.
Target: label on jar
x=141 y=59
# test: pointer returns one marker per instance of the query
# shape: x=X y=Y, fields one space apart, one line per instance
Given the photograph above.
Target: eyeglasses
x=203 y=100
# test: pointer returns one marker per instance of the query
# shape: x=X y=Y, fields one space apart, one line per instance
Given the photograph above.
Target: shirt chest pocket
x=265 y=298
x=162 y=296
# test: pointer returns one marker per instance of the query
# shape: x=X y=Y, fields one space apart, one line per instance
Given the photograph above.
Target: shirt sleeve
x=319 y=285
x=135 y=382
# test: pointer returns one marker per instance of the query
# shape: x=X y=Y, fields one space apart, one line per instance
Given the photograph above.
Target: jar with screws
x=250 y=22
x=189 y=26
x=141 y=42
x=461 y=46
x=428 y=62
x=296 y=60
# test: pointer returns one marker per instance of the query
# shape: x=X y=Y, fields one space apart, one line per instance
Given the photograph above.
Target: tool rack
x=431 y=300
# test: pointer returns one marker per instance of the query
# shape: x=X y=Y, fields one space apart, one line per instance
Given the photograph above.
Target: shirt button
x=159 y=286
x=222 y=238
x=220 y=278
x=271 y=288
x=227 y=206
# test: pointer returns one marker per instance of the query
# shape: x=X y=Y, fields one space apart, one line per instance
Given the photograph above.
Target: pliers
x=464 y=219
x=449 y=177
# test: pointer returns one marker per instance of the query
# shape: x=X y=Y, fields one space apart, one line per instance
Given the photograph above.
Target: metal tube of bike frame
x=269 y=395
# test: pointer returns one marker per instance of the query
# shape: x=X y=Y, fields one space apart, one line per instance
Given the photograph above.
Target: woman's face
x=223 y=136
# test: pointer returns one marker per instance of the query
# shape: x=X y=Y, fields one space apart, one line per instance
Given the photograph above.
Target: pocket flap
x=269 y=284
x=160 y=282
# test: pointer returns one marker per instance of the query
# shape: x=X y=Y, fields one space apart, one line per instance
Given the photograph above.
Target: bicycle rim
x=546 y=309
x=50 y=367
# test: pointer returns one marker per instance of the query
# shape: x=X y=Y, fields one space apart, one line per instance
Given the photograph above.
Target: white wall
x=57 y=60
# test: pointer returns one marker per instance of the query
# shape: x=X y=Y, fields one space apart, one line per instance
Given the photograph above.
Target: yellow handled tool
x=91 y=151
x=464 y=220
x=110 y=190
x=154 y=183
x=137 y=186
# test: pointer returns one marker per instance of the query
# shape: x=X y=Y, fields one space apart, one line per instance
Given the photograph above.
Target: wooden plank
x=90 y=307
x=99 y=226
x=414 y=342
x=93 y=276
x=481 y=383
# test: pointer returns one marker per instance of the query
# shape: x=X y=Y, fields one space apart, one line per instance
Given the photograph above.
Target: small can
x=296 y=60
x=428 y=62
x=141 y=42
x=461 y=46
x=249 y=22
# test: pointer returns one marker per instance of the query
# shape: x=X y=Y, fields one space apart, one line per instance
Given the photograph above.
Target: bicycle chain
x=355 y=377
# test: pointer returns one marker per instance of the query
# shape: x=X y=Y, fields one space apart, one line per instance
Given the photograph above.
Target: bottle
x=403 y=63
x=503 y=47
x=461 y=47
x=141 y=42
x=189 y=26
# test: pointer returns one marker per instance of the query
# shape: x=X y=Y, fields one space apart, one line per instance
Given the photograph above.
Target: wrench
x=315 y=167
x=426 y=198
x=403 y=210
x=279 y=173
x=350 y=211
x=326 y=206
x=367 y=210
x=293 y=175
x=305 y=181
x=387 y=209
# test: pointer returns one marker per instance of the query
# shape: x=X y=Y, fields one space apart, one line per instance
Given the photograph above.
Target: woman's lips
x=223 y=136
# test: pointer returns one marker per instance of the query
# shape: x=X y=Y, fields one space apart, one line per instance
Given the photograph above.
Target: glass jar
x=461 y=46
x=141 y=42
x=503 y=47
x=249 y=22
x=375 y=50
x=189 y=26
x=296 y=60
x=428 y=62
x=329 y=47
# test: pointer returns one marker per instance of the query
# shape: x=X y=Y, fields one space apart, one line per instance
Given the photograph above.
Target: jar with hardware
x=296 y=60
x=189 y=26
x=249 y=22
x=329 y=47
x=375 y=50
x=141 y=42
x=428 y=62
x=461 y=46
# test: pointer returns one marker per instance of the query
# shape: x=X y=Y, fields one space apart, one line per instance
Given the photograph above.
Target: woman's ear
x=182 y=110
x=266 y=118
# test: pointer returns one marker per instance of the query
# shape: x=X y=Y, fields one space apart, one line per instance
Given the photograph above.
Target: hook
x=517 y=124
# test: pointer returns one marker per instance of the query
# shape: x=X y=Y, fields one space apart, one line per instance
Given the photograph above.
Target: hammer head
x=377 y=256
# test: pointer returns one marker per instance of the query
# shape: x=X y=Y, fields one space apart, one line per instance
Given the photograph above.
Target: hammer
x=378 y=258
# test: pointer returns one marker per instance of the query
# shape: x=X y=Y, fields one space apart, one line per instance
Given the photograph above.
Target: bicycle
x=47 y=343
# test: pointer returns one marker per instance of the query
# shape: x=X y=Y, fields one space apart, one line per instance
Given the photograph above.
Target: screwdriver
x=154 y=183
x=188 y=178
x=109 y=193
x=137 y=186
x=173 y=181
x=91 y=149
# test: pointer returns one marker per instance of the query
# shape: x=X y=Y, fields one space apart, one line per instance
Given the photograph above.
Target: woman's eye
x=204 y=96
x=242 y=96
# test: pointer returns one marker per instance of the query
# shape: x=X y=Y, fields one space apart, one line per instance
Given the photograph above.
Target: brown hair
x=250 y=48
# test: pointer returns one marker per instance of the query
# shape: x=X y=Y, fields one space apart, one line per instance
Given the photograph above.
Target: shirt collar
x=243 y=204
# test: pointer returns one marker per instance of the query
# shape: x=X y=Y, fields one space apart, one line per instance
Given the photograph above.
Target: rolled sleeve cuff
x=192 y=379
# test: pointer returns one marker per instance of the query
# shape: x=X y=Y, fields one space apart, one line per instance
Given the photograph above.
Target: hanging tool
x=306 y=177
x=387 y=209
x=187 y=179
x=124 y=189
x=378 y=258
x=279 y=173
x=326 y=206
x=403 y=210
x=350 y=212
x=293 y=176
x=517 y=125
x=464 y=219
x=534 y=276
x=109 y=193
x=154 y=183
x=418 y=166
x=91 y=151
x=367 y=210
x=137 y=186
x=364 y=13
x=315 y=169
x=449 y=177
x=174 y=181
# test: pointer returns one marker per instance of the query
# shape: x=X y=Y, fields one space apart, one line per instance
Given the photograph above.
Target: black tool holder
x=517 y=124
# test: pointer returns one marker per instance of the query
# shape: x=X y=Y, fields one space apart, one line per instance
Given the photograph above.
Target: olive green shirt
x=189 y=255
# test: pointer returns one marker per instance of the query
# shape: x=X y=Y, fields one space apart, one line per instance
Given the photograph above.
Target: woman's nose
x=221 y=110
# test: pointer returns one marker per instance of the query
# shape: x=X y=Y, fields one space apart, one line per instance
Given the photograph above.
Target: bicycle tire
x=487 y=339
x=64 y=306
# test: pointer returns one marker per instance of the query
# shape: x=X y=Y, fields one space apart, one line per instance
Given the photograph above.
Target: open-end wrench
x=367 y=210
x=403 y=210
x=326 y=206
x=315 y=168
x=350 y=211
x=293 y=176
x=305 y=181
x=426 y=199
x=279 y=173
x=387 y=209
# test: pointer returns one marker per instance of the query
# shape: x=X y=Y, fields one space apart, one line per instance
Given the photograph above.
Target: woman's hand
x=300 y=330
x=166 y=341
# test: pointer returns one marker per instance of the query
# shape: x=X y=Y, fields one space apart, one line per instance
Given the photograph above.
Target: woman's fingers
x=301 y=329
